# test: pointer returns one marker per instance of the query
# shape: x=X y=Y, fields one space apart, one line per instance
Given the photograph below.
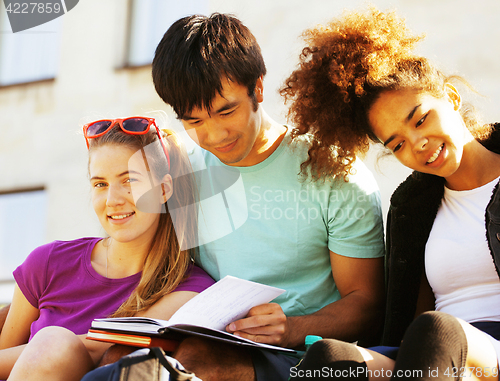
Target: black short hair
x=197 y=53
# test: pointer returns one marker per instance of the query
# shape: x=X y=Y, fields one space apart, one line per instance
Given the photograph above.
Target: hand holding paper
x=224 y=302
x=265 y=323
x=207 y=315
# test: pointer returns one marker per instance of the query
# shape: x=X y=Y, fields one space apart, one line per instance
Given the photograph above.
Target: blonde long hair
x=171 y=251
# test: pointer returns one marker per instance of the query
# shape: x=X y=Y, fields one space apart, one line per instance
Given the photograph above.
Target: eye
x=227 y=113
x=421 y=120
x=99 y=184
x=397 y=147
x=193 y=123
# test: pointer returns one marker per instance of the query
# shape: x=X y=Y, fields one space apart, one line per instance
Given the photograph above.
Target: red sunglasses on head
x=136 y=125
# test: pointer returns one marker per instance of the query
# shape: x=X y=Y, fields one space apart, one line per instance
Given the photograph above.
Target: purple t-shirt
x=59 y=280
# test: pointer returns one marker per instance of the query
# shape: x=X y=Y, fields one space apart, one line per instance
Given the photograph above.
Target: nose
x=214 y=133
x=116 y=196
x=418 y=141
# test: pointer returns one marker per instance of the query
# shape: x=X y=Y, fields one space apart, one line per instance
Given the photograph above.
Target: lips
x=226 y=148
x=120 y=217
x=435 y=155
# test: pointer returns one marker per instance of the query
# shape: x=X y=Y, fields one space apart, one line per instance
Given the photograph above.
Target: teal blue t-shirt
x=267 y=224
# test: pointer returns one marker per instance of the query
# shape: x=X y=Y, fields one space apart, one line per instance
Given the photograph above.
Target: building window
x=150 y=19
x=30 y=55
x=23 y=219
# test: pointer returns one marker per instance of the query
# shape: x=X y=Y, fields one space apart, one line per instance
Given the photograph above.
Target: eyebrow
x=225 y=107
x=120 y=175
x=407 y=119
x=188 y=117
x=412 y=112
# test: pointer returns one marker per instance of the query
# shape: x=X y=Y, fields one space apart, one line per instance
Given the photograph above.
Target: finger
x=265 y=309
x=268 y=330
x=256 y=321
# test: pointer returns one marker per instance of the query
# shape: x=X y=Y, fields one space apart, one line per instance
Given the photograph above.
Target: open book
x=207 y=315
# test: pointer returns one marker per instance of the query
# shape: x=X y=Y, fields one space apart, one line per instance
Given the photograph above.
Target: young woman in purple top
x=143 y=195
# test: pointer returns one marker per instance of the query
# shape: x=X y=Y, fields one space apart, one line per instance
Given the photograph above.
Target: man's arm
x=357 y=315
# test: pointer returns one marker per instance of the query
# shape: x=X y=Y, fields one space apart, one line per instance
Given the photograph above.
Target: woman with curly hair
x=359 y=81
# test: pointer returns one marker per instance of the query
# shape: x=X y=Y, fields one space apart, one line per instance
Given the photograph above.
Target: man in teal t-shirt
x=284 y=229
x=321 y=241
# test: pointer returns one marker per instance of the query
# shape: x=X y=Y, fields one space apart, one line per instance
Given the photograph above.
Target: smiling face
x=231 y=129
x=425 y=133
x=117 y=178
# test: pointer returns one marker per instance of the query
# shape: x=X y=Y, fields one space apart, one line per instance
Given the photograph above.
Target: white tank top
x=458 y=263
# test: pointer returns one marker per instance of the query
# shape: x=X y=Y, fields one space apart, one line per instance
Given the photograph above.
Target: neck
x=269 y=138
x=125 y=259
x=478 y=167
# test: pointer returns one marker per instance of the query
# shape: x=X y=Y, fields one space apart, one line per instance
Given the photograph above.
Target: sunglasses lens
x=135 y=124
x=98 y=128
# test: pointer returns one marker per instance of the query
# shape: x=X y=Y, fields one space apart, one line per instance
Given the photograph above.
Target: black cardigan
x=414 y=206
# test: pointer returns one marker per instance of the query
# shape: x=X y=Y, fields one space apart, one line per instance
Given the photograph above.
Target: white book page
x=227 y=300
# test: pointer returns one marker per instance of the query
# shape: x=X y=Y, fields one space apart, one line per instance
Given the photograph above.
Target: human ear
x=166 y=188
x=453 y=96
x=259 y=89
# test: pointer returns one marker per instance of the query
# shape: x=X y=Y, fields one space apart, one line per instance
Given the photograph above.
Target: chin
x=446 y=172
x=231 y=161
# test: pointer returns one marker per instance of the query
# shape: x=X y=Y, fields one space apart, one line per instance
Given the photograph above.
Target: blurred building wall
x=41 y=145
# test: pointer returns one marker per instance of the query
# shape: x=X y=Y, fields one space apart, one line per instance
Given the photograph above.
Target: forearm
x=351 y=318
x=8 y=358
x=3 y=315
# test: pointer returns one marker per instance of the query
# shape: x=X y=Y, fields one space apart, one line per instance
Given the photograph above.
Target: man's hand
x=265 y=323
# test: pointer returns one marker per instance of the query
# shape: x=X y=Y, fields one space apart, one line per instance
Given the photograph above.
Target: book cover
x=142 y=341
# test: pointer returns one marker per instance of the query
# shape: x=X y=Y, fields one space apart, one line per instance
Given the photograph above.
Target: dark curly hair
x=342 y=71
